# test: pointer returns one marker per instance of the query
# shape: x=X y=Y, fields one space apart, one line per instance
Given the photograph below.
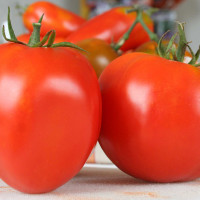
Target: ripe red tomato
x=55 y=17
x=151 y=116
x=111 y=25
x=50 y=113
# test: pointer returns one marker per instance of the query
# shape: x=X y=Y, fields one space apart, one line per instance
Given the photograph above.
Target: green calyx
x=175 y=52
x=139 y=19
x=34 y=41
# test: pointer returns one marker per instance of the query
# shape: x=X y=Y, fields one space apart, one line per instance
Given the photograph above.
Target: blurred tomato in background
x=164 y=19
x=165 y=3
x=90 y=8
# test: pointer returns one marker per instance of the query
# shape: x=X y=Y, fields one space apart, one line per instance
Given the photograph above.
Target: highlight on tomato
x=50 y=111
x=61 y=20
x=150 y=105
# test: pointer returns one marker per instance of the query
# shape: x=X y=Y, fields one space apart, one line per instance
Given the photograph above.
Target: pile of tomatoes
x=144 y=109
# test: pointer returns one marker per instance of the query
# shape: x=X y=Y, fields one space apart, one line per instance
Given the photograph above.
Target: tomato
x=26 y=36
x=165 y=3
x=55 y=17
x=150 y=123
x=99 y=53
x=148 y=47
x=111 y=25
x=50 y=113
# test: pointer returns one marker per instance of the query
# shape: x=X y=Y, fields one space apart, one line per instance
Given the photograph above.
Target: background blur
x=187 y=11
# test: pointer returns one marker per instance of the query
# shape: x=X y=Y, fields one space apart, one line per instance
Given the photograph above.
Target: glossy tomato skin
x=50 y=113
x=55 y=17
x=99 y=53
x=150 y=122
x=111 y=25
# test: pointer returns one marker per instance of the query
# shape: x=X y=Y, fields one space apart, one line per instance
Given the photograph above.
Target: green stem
x=67 y=44
x=125 y=37
x=160 y=50
x=151 y=34
x=43 y=41
x=139 y=19
x=51 y=39
x=182 y=43
x=41 y=18
x=165 y=51
x=170 y=46
x=11 y=31
x=172 y=52
x=34 y=40
x=10 y=40
x=35 y=36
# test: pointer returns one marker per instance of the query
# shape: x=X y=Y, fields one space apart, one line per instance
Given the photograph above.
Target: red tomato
x=111 y=25
x=151 y=116
x=50 y=113
x=55 y=17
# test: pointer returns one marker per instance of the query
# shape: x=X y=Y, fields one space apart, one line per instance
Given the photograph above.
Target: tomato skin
x=50 y=115
x=55 y=17
x=111 y=25
x=150 y=122
x=99 y=53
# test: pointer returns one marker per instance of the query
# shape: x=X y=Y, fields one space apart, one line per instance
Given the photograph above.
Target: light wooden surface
x=109 y=183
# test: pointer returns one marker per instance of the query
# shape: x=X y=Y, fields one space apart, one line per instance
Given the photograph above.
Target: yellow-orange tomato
x=99 y=53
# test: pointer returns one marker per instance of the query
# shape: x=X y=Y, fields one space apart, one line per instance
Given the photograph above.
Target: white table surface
x=109 y=183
